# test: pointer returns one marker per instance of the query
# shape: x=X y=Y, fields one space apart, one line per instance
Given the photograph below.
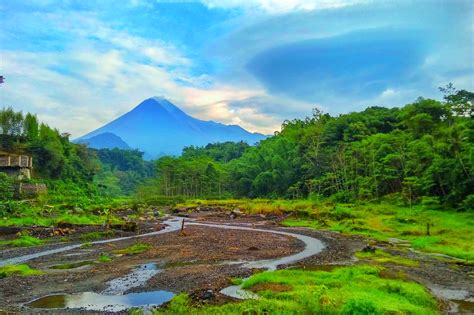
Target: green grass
x=93 y=236
x=20 y=270
x=74 y=209
x=86 y=245
x=382 y=257
x=103 y=258
x=22 y=241
x=347 y=290
x=236 y=281
x=134 y=249
x=451 y=232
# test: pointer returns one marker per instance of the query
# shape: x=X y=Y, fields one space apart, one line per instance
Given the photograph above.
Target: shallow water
x=112 y=298
x=101 y=302
x=138 y=277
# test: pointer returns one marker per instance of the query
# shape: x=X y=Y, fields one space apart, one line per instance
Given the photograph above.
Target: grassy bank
x=20 y=270
x=450 y=232
x=61 y=210
x=347 y=290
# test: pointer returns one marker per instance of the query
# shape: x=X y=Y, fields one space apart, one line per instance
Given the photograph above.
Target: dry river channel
x=199 y=260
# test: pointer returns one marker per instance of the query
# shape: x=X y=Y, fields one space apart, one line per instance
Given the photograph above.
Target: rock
x=126 y=227
x=237 y=211
x=253 y=248
x=177 y=210
x=207 y=295
x=8 y=230
x=368 y=249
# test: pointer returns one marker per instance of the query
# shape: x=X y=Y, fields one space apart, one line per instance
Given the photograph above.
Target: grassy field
x=450 y=232
x=41 y=213
x=347 y=290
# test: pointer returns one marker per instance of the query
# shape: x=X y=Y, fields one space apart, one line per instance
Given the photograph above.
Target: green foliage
x=7 y=188
x=20 y=270
x=221 y=152
x=420 y=152
x=134 y=249
x=93 y=236
x=382 y=257
x=122 y=171
x=103 y=258
x=236 y=281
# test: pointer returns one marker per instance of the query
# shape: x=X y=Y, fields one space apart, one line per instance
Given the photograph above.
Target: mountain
x=158 y=127
x=106 y=140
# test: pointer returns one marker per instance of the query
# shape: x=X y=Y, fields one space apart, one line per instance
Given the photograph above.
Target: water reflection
x=100 y=302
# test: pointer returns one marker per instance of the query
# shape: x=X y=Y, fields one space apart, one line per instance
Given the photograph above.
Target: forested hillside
x=54 y=156
x=69 y=169
x=420 y=152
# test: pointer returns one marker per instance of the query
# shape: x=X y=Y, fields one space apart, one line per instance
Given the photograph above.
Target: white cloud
x=281 y=6
x=87 y=85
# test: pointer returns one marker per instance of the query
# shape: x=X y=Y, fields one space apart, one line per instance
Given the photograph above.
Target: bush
x=7 y=188
x=360 y=307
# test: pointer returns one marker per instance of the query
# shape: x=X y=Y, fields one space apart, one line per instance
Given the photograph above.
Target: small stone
x=368 y=249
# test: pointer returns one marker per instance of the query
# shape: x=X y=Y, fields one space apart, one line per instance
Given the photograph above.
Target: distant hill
x=106 y=140
x=158 y=127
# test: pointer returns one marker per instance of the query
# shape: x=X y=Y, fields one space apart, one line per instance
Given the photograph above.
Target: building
x=16 y=164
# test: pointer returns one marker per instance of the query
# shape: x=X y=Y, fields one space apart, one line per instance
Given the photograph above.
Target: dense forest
x=66 y=167
x=421 y=152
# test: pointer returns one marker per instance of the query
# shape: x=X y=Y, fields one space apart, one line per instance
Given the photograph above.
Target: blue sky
x=79 y=64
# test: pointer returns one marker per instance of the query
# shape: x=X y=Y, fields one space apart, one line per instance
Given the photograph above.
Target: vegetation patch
x=20 y=270
x=93 y=236
x=104 y=258
x=236 y=281
x=450 y=232
x=23 y=241
x=382 y=257
x=133 y=250
x=346 y=290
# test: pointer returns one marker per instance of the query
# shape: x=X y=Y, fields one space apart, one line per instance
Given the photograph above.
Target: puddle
x=138 y=277
x=461 y=300
x=100 y=302
x=112 y=299
x=73 y=265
